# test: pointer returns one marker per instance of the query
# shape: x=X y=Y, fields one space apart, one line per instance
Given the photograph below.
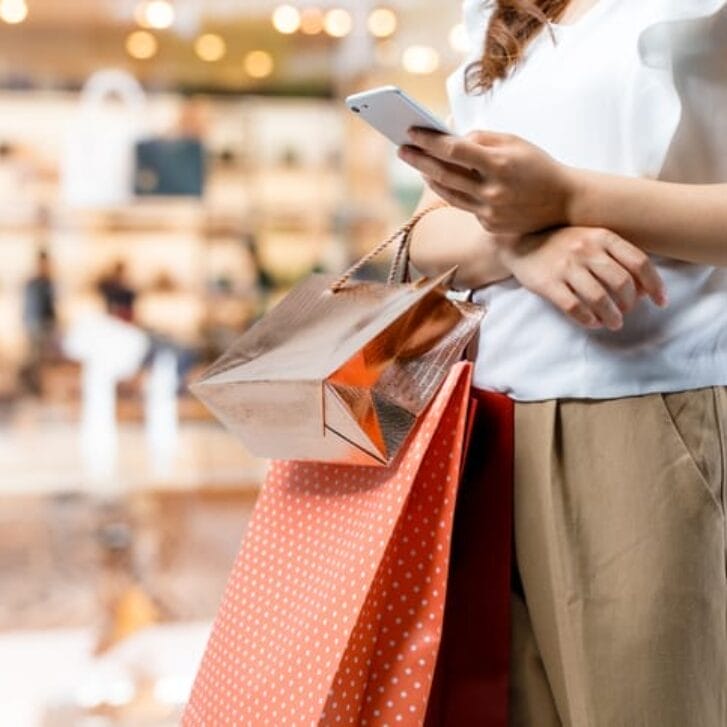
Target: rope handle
x=403 y=233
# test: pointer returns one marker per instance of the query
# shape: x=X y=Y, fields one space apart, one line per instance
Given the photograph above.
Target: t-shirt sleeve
x=679 y=123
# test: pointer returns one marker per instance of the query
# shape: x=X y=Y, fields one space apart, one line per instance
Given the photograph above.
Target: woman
x=587 y=187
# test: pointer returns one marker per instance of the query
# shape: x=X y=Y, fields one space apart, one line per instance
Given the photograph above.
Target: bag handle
x=403 y=234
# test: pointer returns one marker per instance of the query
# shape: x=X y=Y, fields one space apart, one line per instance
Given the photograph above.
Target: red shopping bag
x=333 y=612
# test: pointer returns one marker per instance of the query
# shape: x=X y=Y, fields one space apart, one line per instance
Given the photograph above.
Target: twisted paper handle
x=403 y=233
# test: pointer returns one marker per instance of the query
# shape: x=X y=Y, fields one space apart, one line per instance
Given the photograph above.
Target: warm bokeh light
x=210 y=47
x=338 y=22
x=141 y=45
x=458 y=39
x=286 y=19
x=382 y=22
x=420 y=59
x=311 y=21
x=158 y=14
x=13 y=11
x=259 y=64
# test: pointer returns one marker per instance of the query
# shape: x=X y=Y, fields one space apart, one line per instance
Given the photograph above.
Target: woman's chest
x=572 y=90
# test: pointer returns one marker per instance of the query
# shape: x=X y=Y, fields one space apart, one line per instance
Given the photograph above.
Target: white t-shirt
x=633 y=89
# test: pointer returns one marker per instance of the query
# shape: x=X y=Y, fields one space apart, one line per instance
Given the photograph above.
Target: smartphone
x=393 y=112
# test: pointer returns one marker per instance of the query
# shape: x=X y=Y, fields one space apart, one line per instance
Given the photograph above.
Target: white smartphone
x=393 y=112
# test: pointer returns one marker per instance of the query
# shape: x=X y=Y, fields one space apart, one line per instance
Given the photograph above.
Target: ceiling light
x=420 y=59
x=158 y=14
x=13 y=11
x=338 y=22
x=210 y=47
x=141 y=44
x=259 y=64
x=286 y=19
x=459 y=40
x=382 y=22
x=311 y=21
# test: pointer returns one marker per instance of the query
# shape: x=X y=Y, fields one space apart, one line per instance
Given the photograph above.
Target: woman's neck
x=576 y=10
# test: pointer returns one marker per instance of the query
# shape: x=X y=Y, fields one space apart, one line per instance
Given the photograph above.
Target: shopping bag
x=97 y=169
x=340 y=371
x=471 y=682
x=333 y=612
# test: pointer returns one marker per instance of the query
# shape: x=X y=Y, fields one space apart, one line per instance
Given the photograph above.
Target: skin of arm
x=681 y=221
x=512 y=186
x=449 y=236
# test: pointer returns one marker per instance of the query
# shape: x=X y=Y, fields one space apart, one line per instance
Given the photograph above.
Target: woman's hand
x=509 y=184
x=594 y=276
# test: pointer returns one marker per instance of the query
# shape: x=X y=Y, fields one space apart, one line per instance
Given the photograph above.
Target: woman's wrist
x=516 y=247
x=577 y=186
x=593 y=199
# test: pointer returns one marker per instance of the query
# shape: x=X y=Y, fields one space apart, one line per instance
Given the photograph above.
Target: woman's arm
x=449 y=236
x=591 y=275
x=682 y=221
x=512 y=186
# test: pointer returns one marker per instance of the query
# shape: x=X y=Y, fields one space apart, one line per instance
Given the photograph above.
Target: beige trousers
x=620 y=600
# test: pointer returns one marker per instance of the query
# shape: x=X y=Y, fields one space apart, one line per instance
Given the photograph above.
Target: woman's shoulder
x=674 y=28
x=678 y=112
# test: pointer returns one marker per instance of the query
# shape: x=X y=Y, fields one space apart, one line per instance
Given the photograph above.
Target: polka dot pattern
x=333 y=612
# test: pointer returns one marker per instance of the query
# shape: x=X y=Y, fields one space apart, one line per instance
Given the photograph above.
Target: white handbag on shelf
x=97 y=168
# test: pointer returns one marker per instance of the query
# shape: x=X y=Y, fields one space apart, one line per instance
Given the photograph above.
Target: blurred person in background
x=588 y=181
x=39 y=319
x=118 y=294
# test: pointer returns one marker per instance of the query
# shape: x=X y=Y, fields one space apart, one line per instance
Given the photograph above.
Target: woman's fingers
x=562 y=297
x=471 y=152
x=448 y=175
x=617 y=280
x=592 y=275
x=458 y=199
x=596 y=297
x=640 y=266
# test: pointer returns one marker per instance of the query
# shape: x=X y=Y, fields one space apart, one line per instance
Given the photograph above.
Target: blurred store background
x=168 y=169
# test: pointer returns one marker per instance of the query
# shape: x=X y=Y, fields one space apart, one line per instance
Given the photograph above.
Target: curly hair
x=513 y=24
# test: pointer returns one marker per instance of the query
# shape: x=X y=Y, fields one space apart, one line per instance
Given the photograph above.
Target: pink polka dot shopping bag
x=333 y=612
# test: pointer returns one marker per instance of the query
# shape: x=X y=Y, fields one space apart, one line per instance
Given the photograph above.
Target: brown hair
x=513 y=24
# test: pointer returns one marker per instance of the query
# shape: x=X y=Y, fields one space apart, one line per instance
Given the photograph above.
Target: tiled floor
x=63 y=557
x=141 y=551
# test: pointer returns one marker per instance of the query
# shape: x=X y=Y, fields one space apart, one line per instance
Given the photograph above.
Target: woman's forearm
x=449 y=237
x=513 y=186
x=682 y=221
